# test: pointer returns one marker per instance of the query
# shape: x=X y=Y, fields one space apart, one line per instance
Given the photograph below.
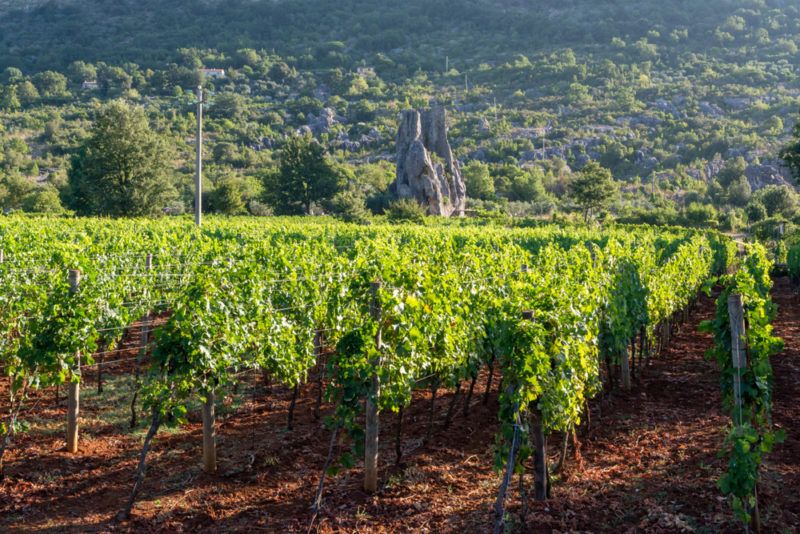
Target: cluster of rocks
x=759 y=174
x=670 y=108
x=711 y=110
x=343 y=141
x=323 y=124
x=768 y=173
x=645 y=160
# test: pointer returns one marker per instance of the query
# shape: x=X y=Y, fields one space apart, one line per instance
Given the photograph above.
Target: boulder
x=427 y=171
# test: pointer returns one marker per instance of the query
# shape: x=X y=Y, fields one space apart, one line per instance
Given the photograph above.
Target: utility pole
x=544 y=143
x=198 y=178
x=466 y=84
x=446 y=64
x=544 y=139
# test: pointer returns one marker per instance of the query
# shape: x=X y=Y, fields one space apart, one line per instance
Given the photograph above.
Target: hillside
x=662 y=93
x=148 y=31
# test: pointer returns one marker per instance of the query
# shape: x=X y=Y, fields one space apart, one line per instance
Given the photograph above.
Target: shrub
x=406 y=210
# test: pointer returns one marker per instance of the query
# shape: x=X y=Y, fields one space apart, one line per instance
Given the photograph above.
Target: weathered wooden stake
x=448 y=420
x=431 y=411
x=738 y=351
x=642 y=348
x=372 y=418
x=539 y=445
x=100 y=374
x=469 y=394
x=739 y=356
x=489 y=382
x=321 y=373
x=209 y=434
x=625 y=369
x=398 y=438
x=74 y=390
x=148 y=262
x=292 y=404
x=563 y=457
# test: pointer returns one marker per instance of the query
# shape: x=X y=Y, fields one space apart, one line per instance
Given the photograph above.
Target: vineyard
x=243 y=346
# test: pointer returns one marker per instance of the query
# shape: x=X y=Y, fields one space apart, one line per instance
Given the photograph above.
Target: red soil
x=649 y=464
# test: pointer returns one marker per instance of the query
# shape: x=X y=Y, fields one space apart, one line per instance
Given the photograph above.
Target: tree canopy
x=305 y=176
x=124 y=168
x=593 y=188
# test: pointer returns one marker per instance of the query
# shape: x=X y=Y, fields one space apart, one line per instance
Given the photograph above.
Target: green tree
x=777 y=200
x=739 y=191
x=732 y=171
x=305 y=176
x=479 y=181
x=700 y=215
x=113 y=80
x=43 y=200
x=14 y=188
x=9 y=100
x=528 y=186
x=280 y=72
x=756 y=211
x=80 y=71
x=12 y=75
x=50 y=83
x=226 y=153
x=27 y=93
x=593 y=188
x=349 y=205
x=791 y=153
x=248 y=56
x=228 y=197
x=406 y=210
x=228 y=106
x=122 y=168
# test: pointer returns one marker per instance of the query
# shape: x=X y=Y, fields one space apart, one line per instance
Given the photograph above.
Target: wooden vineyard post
x=372 y=418
x=642 y=347
x=148 y=263
x=209 y=434
x=539 y=442
x=625 y=369
x=738 y=336
x=74 y=390
x=320 y=372
x=739 y=357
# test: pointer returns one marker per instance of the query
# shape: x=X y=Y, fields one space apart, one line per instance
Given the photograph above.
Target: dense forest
x=687 y=103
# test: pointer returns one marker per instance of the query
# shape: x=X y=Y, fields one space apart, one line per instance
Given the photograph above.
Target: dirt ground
x=780 y=486
x=649 y=461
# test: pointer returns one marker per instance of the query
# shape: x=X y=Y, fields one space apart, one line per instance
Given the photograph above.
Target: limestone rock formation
x=426 y=168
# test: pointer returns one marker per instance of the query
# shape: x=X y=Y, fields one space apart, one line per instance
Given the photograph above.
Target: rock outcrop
x=426 y=168
x=771 y=172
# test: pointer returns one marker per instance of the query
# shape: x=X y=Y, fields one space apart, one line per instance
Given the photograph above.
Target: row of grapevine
x=743 y=345
x=400 y=308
